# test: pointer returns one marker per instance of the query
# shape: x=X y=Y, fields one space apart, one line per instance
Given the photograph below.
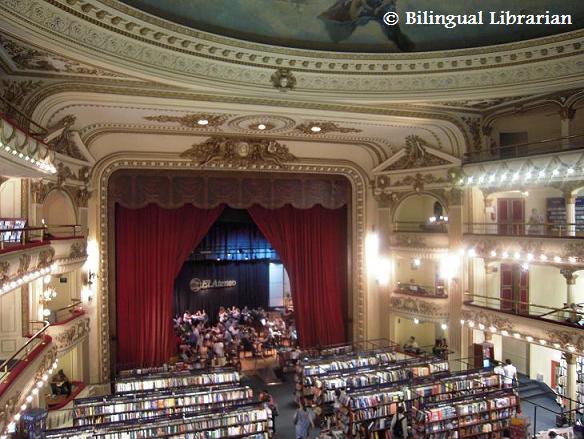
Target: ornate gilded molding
x=105 y=171
x=324 y=128
x=242 y=152
x=16 y=92
x=196 y=120
x=141 y=41
x=46 y=257
x=9 y=408
x=78 y=250
x=488 y=320
x=416 y=156
x=23 y=264
x=408 y=240
x=74 y=333
x=65 y=143
x=4 y=268
x=283 y=79
x=418 y=307
x=473 y=125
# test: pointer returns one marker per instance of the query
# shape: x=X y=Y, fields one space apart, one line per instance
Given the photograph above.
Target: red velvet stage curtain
x=152 y=244
x=312 y=245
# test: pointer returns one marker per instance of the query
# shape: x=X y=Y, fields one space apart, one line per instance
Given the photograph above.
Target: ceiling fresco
x=358 y=25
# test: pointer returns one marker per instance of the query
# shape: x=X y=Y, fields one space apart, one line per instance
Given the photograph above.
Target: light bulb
x=416 y=321
x=543 y=257
x=529 y=338
x=444 y=326
x=35 y=391
x=557 y=259
x=493 y=253
x=481 y=326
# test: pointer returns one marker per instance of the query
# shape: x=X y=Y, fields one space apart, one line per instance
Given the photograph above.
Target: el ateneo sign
x=197 y=284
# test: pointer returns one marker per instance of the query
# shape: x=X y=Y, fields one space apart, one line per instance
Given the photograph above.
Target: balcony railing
x=554 y=145
x=17 y=361
x=423 y=227
x=21 y=237
x=551 y=230
x=567 y=315
x=411 y=289
x=67 y=313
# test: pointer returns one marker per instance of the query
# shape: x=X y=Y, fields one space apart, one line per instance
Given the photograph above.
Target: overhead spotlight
x=471 y=323
x=504 y=177
x=528 y=175
x=557 y=345
x=542 y=257
x=557 y=259
x=516 y=335
x=493 y=253
x=472 y=253
x=462 y=321
x=529 y=338
x=570 y=171
x=541 y=174
x=572 y=259
x=505 y=332
x=417 y=321
x=530 y=256
x=542 y=341
x=505 y=254
x=517 y=255
x=492 y=329
x=444 y=326
x=203 y=122
x=315 y=129
x=555 y=173
x=515 y=176
x=261 y=126
x=481 y=326
x=470 y=179
x=481 y=179
x=416 y=262
x=491 y=178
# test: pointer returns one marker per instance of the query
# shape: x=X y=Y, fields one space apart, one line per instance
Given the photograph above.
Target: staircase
x=534 y=393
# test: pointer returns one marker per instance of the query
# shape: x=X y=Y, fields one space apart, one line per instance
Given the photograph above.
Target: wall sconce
x=415 y=264
x=46 y=297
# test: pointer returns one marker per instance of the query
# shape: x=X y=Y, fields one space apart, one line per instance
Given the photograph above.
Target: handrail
x=519 y=228
x=421 y=226
x=75 y=303
x=40 y=332
x=24 y=235
x=420 y=290
x=547 y=146
x=43 y=130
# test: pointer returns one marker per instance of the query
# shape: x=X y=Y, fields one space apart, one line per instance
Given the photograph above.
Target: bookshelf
x=580 y=389
x=476 y=417
x=375 y=408
x=119 y=408
x=173 y=380
x=254 y=421
x=483 y=355
x=561 y=377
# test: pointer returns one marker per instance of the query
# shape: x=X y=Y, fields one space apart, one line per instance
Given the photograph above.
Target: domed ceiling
x=359 y=26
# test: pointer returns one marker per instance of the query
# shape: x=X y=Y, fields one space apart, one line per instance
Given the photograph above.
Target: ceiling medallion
x=283 y=79
x=197 y=120
x=242 y=152
x=324 y=128
x=252 y=124
x=262 y=126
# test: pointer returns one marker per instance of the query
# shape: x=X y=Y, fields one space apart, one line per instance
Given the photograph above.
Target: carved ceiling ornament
x=564 y=338
x=283 y=79
x=473 y=125
x=27 y=57
x=16 y=92
x=244 y=152
x=419 y=180
x=324 y=128
x=416 y=155
x=65 y=143
x=194 y=120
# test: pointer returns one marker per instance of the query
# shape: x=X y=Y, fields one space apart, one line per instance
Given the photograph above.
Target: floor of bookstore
x=532 y=394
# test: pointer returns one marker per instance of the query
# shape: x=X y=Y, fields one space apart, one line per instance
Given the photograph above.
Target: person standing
x=302 y=421
x=399 y=423
x=499 y=370
x=510 y=373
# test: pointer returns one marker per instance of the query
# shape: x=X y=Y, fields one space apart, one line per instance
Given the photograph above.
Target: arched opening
x=58 y=209
x=421 y=213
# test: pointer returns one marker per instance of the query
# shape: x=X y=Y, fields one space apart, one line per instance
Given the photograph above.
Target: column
x=567 y=125
x=570 y=213
x=384 y=291
x=571 y=380
x=570 y=277
x=455 y=285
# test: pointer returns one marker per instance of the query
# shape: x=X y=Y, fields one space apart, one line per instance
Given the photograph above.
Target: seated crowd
x=201 y=344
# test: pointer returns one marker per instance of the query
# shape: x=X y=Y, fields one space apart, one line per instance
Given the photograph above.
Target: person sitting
x=411 y=345
x=60 y=384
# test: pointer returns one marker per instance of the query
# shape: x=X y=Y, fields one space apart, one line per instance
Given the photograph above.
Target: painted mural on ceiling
x=359 y=25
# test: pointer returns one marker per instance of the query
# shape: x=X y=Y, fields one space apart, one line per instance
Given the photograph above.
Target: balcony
x=425 y=291
x=29 y=253
x=421 y=227
x=572 y=317
x=547 y=146
x=520 y=229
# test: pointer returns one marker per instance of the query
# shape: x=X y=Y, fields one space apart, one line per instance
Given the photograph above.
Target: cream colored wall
x=425 y=274
x=540 y=362
x=579 y=287
x=546 y=286
x=10 y=323
x=517 y=351
x=425 y=332
x=10 y=195
x=65 y=291
x=58 y=209
x=417 y=208
x=535 y=200
x=540 y=125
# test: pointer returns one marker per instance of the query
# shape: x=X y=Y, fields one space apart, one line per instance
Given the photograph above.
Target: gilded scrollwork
x=408 y=240
x=4 y=267
x=487 y=320
x=78 y=331
x=23 y=263
x=324 y=128
x=46 y=257
x=283 y=79
x=195 y=120
x=242 y=152
x=78 y=250
x=416 y=155
x=417 y=306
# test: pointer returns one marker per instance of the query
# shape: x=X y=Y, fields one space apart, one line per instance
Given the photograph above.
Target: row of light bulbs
x=516 y=176
x=517 y=335
x=43 y=166
x=260 y=126
x=26 y=278
x=529 y=257
x=11 y=427
x=443 y=326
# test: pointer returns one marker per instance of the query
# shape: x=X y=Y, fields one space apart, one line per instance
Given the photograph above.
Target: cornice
x=117 y=35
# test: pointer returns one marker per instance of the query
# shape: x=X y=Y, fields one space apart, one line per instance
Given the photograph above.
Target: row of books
x=123 y=408
x=242 y=422
x=172 y=381
x=351 y=362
